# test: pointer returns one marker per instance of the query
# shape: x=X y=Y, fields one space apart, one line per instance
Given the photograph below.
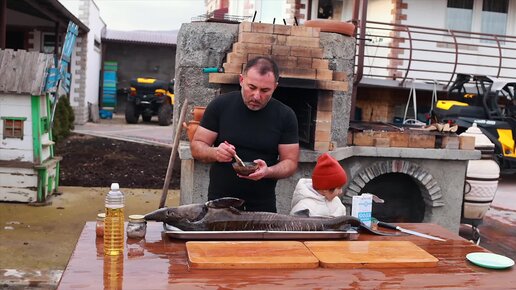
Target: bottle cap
x=115 y=186
x=101 y=216
x=136 y=218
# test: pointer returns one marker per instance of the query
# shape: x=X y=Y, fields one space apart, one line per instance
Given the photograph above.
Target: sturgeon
x=222 y=215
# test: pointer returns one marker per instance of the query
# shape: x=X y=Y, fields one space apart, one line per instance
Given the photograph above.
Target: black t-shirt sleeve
x=290 y=131
x=210 y=119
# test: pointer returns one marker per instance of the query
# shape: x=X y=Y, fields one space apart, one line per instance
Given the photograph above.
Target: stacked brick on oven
x=299 y=55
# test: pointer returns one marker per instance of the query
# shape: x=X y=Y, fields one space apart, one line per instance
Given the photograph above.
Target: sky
x=144 y=14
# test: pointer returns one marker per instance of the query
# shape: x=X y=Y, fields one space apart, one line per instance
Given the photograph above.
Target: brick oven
x=316 y=72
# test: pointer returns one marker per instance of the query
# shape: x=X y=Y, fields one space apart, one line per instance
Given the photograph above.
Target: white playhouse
x=29 y=171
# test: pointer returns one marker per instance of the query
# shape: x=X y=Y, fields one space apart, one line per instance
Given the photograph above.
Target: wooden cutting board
x=250 y=255
x=370 y=254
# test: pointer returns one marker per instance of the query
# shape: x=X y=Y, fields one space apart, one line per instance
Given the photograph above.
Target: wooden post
x=172 y=159
x=3 y=23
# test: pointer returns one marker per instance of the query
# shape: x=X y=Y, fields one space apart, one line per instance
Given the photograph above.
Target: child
x=320 y=194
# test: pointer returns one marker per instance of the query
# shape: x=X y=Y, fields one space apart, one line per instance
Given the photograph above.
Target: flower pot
x=197 y=113
x=191 y=127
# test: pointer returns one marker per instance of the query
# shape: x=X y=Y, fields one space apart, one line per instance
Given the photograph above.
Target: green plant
x=63 y=119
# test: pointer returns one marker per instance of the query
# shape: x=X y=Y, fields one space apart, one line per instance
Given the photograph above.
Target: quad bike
x=150 y=97
x=490 y=103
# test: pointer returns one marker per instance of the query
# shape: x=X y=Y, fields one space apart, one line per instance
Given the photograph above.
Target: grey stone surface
x=206 y=44
x=443 y=195
x=339 y=50
x=199 y=45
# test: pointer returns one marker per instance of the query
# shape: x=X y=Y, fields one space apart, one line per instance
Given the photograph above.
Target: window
x=13 y=127
x=494 y=16
x=459 y=15
x=325 y=9
x=48 y=41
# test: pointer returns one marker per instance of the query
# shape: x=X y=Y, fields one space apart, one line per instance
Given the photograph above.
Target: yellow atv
x=491 y=104
x=150 y=97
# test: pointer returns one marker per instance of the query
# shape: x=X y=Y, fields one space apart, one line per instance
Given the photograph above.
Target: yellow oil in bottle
x=114 y=231
x=113 y=272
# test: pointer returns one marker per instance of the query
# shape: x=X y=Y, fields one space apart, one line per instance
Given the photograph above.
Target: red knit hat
x=328 y=174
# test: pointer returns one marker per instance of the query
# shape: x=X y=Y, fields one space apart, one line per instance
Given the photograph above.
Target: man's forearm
x=282 y=169
x=202 y=152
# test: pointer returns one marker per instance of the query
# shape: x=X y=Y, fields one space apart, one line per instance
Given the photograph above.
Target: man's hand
x=260 y=173
x=225 y=152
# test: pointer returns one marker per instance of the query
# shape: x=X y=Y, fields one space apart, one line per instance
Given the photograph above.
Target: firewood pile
x=434 y=136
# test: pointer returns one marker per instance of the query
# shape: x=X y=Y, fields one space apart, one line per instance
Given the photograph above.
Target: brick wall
x=379 y=105
x=398 y=15
x=78 y=91
x=299 y=54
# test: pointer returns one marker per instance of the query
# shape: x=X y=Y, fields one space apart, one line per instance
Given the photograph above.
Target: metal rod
x=360 y=59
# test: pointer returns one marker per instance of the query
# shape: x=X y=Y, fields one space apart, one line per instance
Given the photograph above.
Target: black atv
x=490 y=103
x=150 y=97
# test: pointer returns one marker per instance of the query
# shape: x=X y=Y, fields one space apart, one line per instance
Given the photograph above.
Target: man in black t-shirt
x=257 y=128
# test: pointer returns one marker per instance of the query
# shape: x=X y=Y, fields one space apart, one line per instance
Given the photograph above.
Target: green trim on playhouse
x=58 y=173
x=47 y=122
x=14 y=118
x=36 y=129
x=42 y=180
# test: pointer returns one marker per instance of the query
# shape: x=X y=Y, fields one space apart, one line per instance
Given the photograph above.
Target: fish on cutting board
x=222 y=215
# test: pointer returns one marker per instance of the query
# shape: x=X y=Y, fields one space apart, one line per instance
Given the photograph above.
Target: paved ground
x=37 y=241
x=116 y=128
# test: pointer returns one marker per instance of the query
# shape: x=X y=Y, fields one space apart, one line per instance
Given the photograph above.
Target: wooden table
x=159 y=262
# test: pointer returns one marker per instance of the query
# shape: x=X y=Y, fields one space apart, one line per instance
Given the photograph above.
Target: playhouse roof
x=23 y=72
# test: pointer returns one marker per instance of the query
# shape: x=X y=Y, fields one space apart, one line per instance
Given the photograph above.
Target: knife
x=395 y=227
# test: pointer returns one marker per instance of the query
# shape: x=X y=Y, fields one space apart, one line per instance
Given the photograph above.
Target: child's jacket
x=306 y=197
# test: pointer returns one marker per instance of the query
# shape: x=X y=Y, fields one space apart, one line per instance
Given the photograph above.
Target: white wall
x=15 y=148
x=94 y=58
x=379 y=10
x=426 y=13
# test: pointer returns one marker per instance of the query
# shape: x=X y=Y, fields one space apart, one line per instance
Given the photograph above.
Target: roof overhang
x=51 y=10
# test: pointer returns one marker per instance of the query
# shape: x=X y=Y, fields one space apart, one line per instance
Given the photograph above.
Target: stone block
x=302 y=41
x=318 y=63
x=254 y=37
x=467 y=142
x=262 y=27
x=298 y=73
x=280 y=49
x=301 y=51
x=246 y=48
x=303 y=31
x=233 y=67
x=322 y=146
x=282 y=29
x=304 y=62
x=324 y=74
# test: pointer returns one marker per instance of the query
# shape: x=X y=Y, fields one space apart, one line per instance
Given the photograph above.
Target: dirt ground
x=90 y=161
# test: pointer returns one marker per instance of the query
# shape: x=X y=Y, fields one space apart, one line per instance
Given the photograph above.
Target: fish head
x=175 y=215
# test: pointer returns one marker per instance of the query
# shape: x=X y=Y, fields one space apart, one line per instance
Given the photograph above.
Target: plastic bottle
x=114 y=222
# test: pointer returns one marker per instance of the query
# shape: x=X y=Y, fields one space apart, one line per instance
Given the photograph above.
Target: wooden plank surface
x=370 y=254
x=23 y=72
x=162 y=263
x=7 y=70
x=250 y=255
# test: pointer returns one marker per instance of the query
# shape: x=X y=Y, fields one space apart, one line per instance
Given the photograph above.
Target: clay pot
x=191 y=128
x=336 y=26
x=197 y=113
